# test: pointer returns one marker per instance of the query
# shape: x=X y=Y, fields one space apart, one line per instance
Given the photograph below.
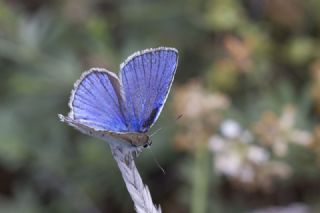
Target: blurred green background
x=247 y=84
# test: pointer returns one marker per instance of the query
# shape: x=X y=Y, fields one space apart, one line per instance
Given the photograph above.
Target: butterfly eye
x=146 y=145
x=149 y=142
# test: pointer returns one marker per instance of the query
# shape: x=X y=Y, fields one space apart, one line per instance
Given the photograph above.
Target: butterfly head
x=148 y=143
x=144 y=140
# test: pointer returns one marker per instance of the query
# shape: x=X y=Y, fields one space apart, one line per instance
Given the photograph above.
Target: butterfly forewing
x=146 y=78
x=96 y=101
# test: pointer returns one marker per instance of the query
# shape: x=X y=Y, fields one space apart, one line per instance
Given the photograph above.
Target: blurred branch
x=200 y=180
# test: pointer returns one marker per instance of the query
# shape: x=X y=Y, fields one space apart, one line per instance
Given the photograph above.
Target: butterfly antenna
x=155 y=132
x=157 y=162
x=158 y=130
x=153 y=156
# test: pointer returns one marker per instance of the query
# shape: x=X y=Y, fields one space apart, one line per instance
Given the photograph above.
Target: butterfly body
x=133 y=139
x=124 y=108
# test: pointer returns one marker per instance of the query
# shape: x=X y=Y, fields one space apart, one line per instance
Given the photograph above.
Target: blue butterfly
x=124 y=108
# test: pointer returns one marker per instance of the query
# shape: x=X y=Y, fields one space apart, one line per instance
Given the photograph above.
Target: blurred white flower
x=257 y=154
x=240 y=159
x=280 y=148
x=301 y=137
x=230 y=129
x=228 y=164
x=203 y=103
x=216 y=143
x=278 y=132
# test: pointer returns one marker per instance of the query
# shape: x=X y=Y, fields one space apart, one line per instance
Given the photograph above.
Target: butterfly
x=123 y=108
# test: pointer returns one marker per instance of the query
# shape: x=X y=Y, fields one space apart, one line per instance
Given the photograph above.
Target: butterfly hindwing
x=146 y=78
x=96 y=101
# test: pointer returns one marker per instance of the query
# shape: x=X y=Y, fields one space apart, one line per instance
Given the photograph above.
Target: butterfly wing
x=96 y=101
x=116 y=138
x=146 y=78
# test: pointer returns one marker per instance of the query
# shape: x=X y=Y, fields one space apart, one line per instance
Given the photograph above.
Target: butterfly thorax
x=135 y=139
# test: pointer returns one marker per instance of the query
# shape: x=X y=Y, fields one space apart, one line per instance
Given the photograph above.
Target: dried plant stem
x=139 y=192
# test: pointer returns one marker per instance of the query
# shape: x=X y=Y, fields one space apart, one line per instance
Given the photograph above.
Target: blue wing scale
x=146 y=78
x=96 y=101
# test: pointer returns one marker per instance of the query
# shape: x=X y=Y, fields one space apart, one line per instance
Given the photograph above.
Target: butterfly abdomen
x=134 y=139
